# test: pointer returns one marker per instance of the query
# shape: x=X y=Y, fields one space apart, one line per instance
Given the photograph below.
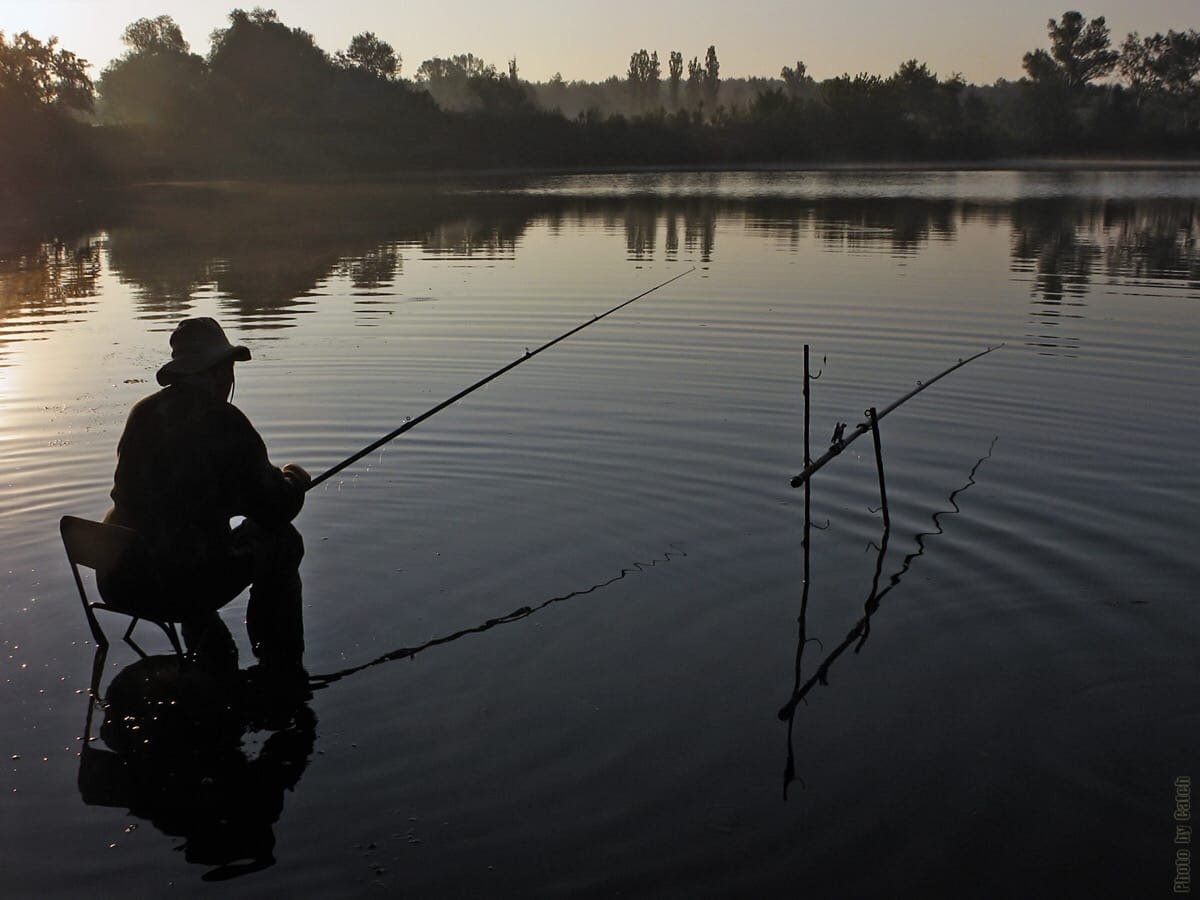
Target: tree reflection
x=1065 y=245
x=267 y=250
x=375 y=269
x=46 y=284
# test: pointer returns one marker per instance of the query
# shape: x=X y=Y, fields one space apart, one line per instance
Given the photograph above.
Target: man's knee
x=280 y=547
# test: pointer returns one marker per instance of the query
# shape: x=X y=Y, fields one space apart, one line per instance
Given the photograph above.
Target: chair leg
x=97 y=671
x=93 y=694
x=129 y=638
x=97 y=632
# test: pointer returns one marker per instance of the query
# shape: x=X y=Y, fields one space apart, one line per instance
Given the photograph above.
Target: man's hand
x=297 y=475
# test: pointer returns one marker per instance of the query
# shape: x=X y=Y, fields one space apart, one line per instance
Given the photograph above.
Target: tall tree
x=156 y=81
x=158 y=35
x=34 y=73
x=675 y=70
x=368 y=53
x=1164 y=73
x=712 y=76
x=1169 y=62
x=40 y=144
x=265 y=70
x=1079 y=51
x=655 y=79
x=695 y=81
x=794 y=79
x=644 y=76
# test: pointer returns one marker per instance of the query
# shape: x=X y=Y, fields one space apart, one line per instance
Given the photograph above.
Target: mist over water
x=1025 y=693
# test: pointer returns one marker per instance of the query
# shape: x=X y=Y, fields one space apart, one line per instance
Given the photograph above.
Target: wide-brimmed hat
x=198 y=344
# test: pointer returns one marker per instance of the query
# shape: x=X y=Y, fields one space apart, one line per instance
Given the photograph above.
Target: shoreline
x=1015 y=164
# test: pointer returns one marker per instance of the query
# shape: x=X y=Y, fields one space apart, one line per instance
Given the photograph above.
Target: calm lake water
x=1015 y=724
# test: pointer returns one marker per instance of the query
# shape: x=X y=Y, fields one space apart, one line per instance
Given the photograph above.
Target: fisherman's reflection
x=185 y=750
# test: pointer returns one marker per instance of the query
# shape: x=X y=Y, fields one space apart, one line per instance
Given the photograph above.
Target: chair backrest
x=96 y=545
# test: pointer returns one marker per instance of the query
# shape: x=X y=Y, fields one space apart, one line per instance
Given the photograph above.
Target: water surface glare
x=580 y=586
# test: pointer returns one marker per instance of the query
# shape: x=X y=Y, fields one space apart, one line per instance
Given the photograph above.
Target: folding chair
x=101 y=547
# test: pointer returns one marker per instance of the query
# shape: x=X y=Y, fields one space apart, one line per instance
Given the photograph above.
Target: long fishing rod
x=841 y=443
x=529 y=354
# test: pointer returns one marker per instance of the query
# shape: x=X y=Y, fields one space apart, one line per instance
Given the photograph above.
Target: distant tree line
x=266 y=99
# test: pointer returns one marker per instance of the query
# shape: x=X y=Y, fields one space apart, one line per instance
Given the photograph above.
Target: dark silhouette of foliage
x=1079 y=52
x=1164 y=75
x=644 y=76
x=156 y=82
x=695 y=82
x=158 y=35
x=268 y=100
x=675 y=69
x=1169 y=62
x=263 y=69
x=37 y=73
x=795 y=79
x=712 y=76
x=43 y=90
x=367 y=53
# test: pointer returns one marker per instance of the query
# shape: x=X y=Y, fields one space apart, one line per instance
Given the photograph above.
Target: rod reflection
x=318 y=682
x=179 y=743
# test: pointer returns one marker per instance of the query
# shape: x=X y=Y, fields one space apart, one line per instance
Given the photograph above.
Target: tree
x=40 y=143
x=1159 y=62
x=1164 y=72
x=675 y=68
x=156 y=81
x=1041 y=67
x=795 y=79
x=695 y=81
x=33 y=73
x=265 y=70
x=466 y=82
x=1079 y=52
x=158 y=35
x=644 y=76
x=367 y=53
x=712 y=75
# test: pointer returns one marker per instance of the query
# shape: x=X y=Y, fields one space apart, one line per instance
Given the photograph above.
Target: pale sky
x=591 y=40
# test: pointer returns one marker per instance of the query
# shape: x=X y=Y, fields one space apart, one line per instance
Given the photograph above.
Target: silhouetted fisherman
x=188 y=461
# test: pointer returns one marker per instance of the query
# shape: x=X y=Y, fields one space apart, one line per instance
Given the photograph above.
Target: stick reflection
x=857 y=636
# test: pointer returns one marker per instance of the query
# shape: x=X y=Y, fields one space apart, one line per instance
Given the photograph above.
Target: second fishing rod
x=529 y=354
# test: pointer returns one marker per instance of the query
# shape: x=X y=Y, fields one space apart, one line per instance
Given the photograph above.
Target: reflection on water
x=317 y=682
x=626 y=741
x=861 y=631
x=1062 y=246
x=202 y=758
x=267 y=252
x=46 y=284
